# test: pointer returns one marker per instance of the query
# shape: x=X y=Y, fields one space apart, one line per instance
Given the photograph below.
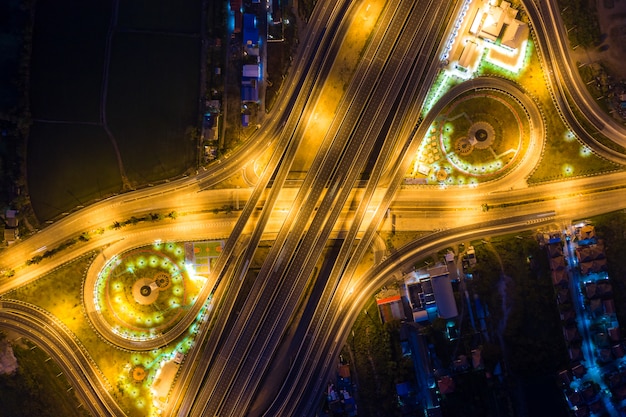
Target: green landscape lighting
x=144 y=303
x=442 y=85
x=585 y=151
x=568 y=170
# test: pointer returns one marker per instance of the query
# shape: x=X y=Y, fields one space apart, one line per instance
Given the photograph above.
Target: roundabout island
x=137 y=299
x=483 y=131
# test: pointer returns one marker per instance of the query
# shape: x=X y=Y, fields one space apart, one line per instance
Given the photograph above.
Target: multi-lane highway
x=377 y=125
x=281 y=279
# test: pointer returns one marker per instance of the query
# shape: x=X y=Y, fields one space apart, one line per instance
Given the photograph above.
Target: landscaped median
x=141 y=293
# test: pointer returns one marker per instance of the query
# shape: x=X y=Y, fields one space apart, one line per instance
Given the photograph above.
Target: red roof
x=446 y=385
x=344 y=371
x=388 y=299
x=238 y=21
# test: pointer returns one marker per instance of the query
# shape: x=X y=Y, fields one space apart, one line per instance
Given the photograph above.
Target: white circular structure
x=481 y=135
x=145 y=291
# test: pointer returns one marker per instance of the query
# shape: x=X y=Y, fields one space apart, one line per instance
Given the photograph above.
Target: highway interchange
x=222 y=375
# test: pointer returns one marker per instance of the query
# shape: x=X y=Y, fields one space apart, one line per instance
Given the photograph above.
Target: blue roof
x=249 y=21
x=249 y=93
x=403 y=389
x=250 y=31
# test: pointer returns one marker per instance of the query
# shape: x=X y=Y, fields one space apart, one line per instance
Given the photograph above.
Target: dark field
x=145 y=91
x=37 y=389
x=167 y=15
x=69 y=165
x=153 y=92
x=67 y=59
x=11 y=27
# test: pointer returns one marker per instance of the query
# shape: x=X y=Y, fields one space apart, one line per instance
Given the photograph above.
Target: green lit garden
x=476 y=138
x=174 y=272
x=445 y=159
x=143 y=293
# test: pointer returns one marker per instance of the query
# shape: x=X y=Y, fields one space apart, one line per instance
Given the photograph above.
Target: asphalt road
x=327 y=204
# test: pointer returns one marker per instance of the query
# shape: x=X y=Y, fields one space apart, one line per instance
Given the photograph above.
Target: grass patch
x=485 y=108
x=593 y=132
x=595 y=78
x=452 y=154
x=58 y=292
x=305 y=8
x=166 y=303
x=37 y=389
x=64 y=173
x=374 y=348
x=582 y=17
x=234 y=181
x=395 y=240
x=564 y=157
x=574 y=159
x=532 y=329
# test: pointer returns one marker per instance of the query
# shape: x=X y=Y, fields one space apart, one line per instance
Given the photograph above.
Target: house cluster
x=426 y=293
x=210 y=128
x=435 y=378
x=246 y=26
x=584 y=295
x=422 y=297
x=251 y=73
x=621 y=103
x=339 y=395
x=460 y=365
x=11 y=232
